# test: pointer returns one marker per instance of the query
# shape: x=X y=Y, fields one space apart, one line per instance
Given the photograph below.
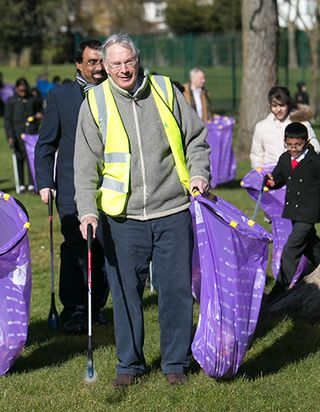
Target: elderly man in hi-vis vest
x=140 y=151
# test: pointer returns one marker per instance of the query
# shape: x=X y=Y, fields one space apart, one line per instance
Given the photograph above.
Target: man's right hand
x=84 y=226
x=44 y=194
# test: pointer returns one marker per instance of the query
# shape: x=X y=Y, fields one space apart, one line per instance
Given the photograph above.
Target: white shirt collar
x=302 y=156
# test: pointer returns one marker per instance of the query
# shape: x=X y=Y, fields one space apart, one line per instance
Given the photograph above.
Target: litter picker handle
x=50 y=207
x=258 y=202
x=50 y=213
x=53 y=318
x=89 y=235
x=89 y=244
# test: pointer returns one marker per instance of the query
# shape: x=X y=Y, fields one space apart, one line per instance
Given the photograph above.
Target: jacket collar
x=311 y=154
x=142 y=84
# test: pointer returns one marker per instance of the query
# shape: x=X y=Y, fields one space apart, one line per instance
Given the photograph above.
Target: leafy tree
x=185 y=16
x=193 y=16
x=224 y=16
x=34 y=24
x=127 y=15
x=12 y=25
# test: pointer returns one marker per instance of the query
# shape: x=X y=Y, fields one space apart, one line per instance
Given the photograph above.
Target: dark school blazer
x=58 y=132
x=302 y=200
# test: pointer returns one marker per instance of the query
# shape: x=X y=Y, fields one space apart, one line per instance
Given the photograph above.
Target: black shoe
x=99 y=319
x=75 y=323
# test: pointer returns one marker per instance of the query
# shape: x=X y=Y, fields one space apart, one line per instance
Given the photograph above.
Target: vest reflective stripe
x=112 y=195
x=165 y=89
x=171 y=128
x=115 y=157
x=102 y=114
x=112 y=185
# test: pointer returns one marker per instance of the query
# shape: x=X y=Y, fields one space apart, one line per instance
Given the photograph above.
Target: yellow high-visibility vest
x=113 y=192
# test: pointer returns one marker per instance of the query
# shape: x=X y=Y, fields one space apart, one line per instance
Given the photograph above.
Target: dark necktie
x=294 y=163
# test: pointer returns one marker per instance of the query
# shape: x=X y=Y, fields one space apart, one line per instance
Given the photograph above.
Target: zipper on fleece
x=143 y=171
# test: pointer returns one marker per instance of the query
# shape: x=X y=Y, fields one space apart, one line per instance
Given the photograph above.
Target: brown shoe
x=176 y=378
x=123 y=381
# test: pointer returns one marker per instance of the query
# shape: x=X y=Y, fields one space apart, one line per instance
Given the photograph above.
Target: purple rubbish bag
x=272 y=203
x=233 y=257
x=30 y=141
x=222 y=159
x=15 y=280
x=6 y=92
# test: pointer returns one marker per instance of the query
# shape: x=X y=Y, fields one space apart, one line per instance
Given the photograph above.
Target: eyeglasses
x=93 y=62
x=294 y=146
x=117 y=66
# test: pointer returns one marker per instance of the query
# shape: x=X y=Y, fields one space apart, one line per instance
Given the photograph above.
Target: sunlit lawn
x=279 y=373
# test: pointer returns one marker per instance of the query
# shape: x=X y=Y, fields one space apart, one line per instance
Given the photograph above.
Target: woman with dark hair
x=17 y=110
x=267 y=143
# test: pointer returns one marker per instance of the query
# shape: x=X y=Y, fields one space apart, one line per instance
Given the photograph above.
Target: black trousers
x=74 y=263
x=303 y=240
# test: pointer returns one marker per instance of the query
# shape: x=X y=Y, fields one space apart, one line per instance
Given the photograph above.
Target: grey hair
x=119 y=38
x=195 y=70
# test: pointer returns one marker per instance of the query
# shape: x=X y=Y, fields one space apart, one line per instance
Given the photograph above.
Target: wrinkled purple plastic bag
x=272 y=203
x=15 y=280
x=6 y=92
x=222 y=160
x=233 y=257
x=30 y=141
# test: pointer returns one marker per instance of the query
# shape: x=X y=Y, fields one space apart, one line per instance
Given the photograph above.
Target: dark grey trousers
x=130 y=247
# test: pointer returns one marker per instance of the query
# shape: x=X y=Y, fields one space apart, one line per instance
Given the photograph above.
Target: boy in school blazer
x=299 y=169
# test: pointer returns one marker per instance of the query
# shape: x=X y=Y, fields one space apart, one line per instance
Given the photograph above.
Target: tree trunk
x=260 y=43
x=314 y=41
x=303 y=300
x=292 y=50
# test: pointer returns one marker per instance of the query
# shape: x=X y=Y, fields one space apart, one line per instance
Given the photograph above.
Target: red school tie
x=294 y=163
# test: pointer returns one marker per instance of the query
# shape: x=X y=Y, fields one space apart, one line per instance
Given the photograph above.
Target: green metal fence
x=220 y=56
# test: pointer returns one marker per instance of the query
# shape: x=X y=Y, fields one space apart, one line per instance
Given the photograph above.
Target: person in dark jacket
x=57 y=136
x=299 y=169
x=301 y=96
x=19 y=107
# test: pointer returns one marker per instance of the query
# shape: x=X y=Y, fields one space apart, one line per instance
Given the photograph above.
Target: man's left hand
x=199 y=184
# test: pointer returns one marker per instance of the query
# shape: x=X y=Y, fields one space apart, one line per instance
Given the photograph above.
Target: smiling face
x=91 y=67
x=295 y=146
x=279 y=109
x=122 y=66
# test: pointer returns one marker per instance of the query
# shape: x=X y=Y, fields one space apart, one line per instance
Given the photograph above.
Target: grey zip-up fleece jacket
x=155 y=189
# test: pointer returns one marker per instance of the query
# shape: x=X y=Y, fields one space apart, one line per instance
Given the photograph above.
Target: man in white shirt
x=196 y=94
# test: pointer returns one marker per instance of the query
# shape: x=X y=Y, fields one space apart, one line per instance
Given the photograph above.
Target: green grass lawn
x=279 y=373
x=219 y=80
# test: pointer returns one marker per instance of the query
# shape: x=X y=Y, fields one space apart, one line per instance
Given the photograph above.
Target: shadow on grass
x=52 y=347
x=7 y=189
x=302 y=340
x=233 y=184
x=3 y=181
x=150 y=300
